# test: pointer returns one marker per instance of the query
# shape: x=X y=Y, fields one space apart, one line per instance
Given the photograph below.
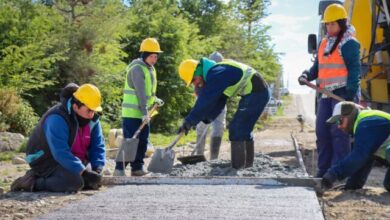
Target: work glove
x=185 y=127
x=92 y=179
x=303 y=78
x=159 y=102
x=327 y=181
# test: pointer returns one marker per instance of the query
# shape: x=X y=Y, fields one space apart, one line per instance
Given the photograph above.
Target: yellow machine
x=371 y=19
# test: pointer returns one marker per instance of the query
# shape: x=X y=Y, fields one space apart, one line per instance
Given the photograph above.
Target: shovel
x=193 y=159
x=324 y=91
x=330 y=94
x=129 y=146
x=162 y=159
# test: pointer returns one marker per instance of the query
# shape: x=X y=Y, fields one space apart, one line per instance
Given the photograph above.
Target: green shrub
x=16 y=114
x=22 y=148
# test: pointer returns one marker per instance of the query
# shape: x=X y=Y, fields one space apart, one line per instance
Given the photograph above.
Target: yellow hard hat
x=187 y=70
x=90 y=96
x=334 y=12
x=150 y=45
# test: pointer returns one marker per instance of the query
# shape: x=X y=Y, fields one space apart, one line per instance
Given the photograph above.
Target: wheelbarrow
x=129 y=146
x=163 y=158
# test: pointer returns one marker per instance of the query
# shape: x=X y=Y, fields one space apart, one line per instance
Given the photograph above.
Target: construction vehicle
x=371 y=19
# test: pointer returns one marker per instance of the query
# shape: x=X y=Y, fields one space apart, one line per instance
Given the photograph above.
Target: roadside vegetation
x=46 y=44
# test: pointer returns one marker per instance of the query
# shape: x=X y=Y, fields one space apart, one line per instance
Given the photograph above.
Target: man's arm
x=96 y=151
x=137 y=79
x=218 y=79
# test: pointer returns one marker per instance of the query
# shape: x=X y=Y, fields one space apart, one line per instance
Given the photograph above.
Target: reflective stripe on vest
x=130 y=105
x=381 y=152
x=244 y=86
x=332 y=72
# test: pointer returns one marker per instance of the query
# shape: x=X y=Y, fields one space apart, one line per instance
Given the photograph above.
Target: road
x=305 y=106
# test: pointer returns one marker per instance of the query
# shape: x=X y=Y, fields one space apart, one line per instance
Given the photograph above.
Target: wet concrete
x=263 y=166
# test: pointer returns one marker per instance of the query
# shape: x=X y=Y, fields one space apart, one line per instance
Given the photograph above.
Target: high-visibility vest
x=130 y=104
x=244 y=86
x=332 y=72
x=381 y=152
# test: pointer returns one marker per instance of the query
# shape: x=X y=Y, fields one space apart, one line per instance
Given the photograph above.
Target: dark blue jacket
x=370 y=133
x=211 y=100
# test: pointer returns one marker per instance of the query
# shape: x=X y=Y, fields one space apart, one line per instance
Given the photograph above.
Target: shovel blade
x=192 y=159
x=162 y=161
x=128 y=150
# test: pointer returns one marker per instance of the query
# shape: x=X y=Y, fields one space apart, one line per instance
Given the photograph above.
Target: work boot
x=139 y=173
x=24 y=183
x=215 y=144
x=238 y=154
x=200 y=144
x=250 y=153
x=119 y=173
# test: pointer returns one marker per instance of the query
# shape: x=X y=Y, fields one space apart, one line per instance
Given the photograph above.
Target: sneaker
x=24 y=183
x=119 y=173
x=139 y=173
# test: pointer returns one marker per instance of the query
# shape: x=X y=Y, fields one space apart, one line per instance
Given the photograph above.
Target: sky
x=292 y=21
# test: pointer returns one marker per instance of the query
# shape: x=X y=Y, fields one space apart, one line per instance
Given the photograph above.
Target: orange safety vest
x=332 y=72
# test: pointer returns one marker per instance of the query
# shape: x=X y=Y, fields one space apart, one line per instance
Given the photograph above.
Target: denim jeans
x=130 y=126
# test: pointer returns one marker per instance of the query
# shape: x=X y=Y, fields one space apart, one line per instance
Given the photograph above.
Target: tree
x=178 y=39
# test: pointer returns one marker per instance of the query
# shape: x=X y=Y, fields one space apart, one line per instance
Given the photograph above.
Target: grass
x=5 y=156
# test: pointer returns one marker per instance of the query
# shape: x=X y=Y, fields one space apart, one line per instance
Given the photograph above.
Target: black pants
x=60 y=180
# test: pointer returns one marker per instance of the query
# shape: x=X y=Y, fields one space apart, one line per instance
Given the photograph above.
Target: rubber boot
x=215 y=144
x=200 y=145
x=238 y=154
x=250 y=153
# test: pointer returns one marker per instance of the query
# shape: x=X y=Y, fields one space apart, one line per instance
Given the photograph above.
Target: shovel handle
x=155 y=106
x=324 y=91
x=202 y=136
x=174 y=142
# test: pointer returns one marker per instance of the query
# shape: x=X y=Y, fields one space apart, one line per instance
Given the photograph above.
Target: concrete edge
x=305 y=182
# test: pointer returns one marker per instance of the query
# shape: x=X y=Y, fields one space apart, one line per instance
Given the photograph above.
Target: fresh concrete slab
x=195 y=202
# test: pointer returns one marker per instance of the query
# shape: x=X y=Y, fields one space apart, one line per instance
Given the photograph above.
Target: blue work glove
x=185 y=127
x=327 y=181
x=303 y=78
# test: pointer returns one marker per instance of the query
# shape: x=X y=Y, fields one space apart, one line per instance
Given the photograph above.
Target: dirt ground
x=371 y=202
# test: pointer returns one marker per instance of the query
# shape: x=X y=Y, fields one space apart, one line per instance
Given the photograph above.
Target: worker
x=67 y=139
x=337 y=69
x=138 y=97
x=220 y=81
x=370 y=129
x=217 y=125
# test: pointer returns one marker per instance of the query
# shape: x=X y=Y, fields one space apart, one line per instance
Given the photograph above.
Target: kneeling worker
x=371 y=129
x=66 y=139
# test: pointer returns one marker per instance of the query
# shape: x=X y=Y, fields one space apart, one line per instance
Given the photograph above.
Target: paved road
x=305 y=106
x=195 y=202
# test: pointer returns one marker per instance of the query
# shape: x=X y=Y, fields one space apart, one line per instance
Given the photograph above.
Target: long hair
x=343 y=28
